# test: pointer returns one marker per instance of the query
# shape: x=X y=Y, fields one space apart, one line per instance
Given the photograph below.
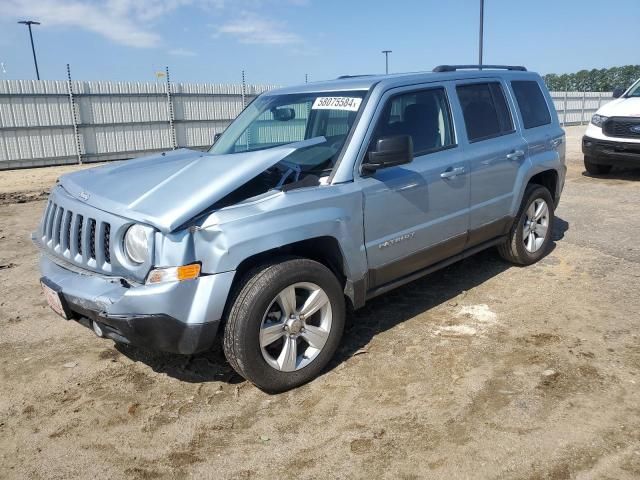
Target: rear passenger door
x=496 y=150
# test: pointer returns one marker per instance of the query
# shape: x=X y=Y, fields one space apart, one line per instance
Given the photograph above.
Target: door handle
x=452 y=172
x=515 y=155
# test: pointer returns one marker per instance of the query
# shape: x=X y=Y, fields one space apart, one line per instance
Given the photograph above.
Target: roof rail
x=354 y=76
x=453 y=68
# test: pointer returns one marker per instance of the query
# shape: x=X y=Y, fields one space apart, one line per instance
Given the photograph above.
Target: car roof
x=365 y=82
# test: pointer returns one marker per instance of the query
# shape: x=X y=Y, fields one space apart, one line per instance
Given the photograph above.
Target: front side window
x=274 y=120
x=485 y=110
x=423 y=115
x=531 y=103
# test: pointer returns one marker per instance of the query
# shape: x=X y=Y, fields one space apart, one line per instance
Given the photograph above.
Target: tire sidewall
x=281 y=275
x=526 y=256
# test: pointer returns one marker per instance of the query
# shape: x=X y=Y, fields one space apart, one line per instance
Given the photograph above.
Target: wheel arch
x=324 y=249
x=548 y=177
x=549 y=180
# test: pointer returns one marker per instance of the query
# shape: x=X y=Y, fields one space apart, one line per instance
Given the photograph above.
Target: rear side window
x=485 y=110
x=531 y=103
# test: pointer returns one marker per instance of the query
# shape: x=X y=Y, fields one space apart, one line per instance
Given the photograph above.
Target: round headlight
x=135 y=244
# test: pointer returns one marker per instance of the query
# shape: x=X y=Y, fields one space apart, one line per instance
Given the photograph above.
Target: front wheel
x=530 y=236
x=285 y=324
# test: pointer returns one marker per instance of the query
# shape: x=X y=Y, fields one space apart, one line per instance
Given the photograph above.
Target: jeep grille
x=90 y=236
x=77 y=235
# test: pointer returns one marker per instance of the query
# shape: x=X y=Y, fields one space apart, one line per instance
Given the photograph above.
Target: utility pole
x=386 y=60
x=481 y=32
x=28 y=23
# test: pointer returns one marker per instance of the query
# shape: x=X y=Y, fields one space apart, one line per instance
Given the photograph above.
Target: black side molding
x=453 y=68
x=437 y=266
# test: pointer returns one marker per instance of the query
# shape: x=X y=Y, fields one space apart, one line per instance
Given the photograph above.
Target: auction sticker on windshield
x=337 y=103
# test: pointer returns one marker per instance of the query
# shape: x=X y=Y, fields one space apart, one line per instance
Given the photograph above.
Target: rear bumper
x=177 y=317
x=607 y=152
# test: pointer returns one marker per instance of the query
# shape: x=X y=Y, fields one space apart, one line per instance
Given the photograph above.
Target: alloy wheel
x=536 y=225
x=295 y=327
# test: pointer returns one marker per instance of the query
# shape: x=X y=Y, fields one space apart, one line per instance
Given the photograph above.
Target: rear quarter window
x=531 y=102
x=485 y=110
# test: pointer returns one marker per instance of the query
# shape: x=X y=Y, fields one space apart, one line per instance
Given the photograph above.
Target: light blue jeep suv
x=315 y=197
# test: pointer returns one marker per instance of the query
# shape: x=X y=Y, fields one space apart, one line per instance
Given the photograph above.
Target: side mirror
x=617 y=92
x=283 y=114
x=389 y=152
x=216 y=137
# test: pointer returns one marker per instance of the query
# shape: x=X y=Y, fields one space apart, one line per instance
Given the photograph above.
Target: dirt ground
x=482 y=370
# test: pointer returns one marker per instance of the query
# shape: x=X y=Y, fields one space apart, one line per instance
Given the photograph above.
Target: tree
x=602 y=80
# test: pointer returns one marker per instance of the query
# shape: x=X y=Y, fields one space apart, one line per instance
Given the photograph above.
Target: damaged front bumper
x=178 y=317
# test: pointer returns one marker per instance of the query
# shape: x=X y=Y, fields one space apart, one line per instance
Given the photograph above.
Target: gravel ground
x=482 y=370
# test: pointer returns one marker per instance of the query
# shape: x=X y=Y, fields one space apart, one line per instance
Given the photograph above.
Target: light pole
x=481 y=32
x=386 y=60
x=28 y=23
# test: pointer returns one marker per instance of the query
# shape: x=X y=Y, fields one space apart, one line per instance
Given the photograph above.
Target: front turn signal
x=173 y=274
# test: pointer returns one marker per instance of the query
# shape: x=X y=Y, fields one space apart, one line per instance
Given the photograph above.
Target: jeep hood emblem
x=84 y=196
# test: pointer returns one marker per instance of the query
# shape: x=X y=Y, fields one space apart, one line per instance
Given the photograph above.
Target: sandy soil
x=28 y=185
x=482 y=370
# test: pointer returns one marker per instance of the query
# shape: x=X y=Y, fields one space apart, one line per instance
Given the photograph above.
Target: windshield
x=273 y=120
x=634 y=91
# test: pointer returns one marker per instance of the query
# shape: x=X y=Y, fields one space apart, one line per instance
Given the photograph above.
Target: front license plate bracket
x=55 y=298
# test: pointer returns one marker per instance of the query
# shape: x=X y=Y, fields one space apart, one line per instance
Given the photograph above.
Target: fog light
x=174 y=274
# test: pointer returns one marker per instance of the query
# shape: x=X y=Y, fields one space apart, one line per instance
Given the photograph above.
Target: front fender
x=328 y=211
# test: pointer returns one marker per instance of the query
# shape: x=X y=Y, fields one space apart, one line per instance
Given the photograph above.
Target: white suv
x=613 y=136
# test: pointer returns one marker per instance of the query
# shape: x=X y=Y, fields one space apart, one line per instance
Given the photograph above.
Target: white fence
x=576 y=108
x=59 y=122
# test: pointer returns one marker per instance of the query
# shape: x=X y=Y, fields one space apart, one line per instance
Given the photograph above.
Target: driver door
x=416 y=214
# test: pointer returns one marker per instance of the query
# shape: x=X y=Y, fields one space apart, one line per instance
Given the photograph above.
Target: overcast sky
x=278 y=41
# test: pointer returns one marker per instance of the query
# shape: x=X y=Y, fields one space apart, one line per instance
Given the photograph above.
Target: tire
x=596 y=168
x=519 y=249
x=258 y=315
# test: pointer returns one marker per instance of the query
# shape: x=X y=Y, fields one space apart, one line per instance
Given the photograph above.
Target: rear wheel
x=596 y=168
x=285 y=324
x=530 y=236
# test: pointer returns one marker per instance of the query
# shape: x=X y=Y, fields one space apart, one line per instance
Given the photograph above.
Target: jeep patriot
x=314 y=198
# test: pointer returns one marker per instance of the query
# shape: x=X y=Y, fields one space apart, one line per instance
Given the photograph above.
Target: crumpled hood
x=621 y=107
x=166 y=190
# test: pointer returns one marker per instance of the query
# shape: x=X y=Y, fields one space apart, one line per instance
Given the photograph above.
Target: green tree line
x=603 y=80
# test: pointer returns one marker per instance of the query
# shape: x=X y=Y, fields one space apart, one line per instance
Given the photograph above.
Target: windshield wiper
x=291 y=169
